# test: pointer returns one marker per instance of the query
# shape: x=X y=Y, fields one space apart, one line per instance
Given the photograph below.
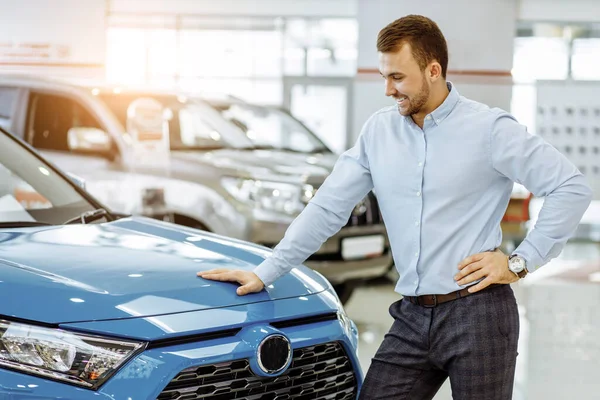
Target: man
x=443 y=169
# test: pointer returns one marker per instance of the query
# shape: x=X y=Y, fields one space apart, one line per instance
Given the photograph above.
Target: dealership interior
x=188 y=135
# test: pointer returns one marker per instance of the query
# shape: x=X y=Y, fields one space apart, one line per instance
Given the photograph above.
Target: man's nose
x=390 y=90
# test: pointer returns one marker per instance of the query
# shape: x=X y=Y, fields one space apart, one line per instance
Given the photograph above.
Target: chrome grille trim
x=320 y=372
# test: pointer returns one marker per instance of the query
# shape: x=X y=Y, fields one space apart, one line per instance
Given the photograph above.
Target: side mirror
x=90 y=141
x=79 y=181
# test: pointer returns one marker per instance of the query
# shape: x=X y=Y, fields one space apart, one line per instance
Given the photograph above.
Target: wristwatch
x=517 y=265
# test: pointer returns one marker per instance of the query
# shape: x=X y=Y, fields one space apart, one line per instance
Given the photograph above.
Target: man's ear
x=435 y=71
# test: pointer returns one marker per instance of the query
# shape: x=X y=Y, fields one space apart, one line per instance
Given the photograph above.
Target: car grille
x=366 y=212
x=321 y=372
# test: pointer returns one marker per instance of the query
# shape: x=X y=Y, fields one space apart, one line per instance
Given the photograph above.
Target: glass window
x=540 y=58
x=321 y=47
x=193 y=131
x=535 y=58
x=523 y=106
x=324 y=109
x=137 y=56
x=31 y=191
x=50 y=119
x=246 y=57
x=189 y=127
x=261 y=91
x=125 y=56
x=266 y=126
x=220 y=53
x=8 y=97
x=16 y=194
x=586 y=59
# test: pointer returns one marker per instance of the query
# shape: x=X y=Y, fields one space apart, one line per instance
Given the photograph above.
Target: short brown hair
x=424 y=36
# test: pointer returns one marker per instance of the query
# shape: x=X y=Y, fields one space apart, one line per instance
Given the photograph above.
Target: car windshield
x=190 y=125
x=269 y=127
x=31 y=192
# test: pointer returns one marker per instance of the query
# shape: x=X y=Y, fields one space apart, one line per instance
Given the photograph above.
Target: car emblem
x=360 y=208
x=274 y=353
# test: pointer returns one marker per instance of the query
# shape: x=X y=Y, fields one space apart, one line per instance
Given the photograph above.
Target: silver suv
x=224 y=165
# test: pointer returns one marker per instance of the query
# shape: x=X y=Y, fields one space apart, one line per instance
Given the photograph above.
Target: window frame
x=31 y=112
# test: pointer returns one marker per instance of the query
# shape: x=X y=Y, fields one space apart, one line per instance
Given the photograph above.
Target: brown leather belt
x=433 y=300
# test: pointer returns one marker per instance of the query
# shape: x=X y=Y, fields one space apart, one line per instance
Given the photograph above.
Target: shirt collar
x=447 y=106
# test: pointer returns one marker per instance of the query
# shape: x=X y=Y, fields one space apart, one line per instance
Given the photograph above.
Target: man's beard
x=417 y=102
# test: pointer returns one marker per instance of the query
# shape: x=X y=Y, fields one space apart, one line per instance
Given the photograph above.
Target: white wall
x=476 y=31
x=552 y=10
x=559 y=10
x=342 y=8
x=480 y=43
x=38 y=34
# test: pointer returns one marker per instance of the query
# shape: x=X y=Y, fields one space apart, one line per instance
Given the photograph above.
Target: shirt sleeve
x=349 y=182
x=531 y=161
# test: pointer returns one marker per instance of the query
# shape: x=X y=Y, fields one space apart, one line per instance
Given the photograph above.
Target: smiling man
x=443 y=168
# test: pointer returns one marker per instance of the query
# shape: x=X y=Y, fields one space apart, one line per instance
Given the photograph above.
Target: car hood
x=265 y=163
x=134 y=267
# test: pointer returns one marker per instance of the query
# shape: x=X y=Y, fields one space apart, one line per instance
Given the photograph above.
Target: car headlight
x=347 y=324
x=79 y=359
x=342 y=316
x=280 y=197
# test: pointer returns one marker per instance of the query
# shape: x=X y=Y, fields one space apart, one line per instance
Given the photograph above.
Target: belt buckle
x=434 y=297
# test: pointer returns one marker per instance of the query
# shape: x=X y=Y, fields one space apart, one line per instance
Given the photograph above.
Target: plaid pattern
x=472 y=340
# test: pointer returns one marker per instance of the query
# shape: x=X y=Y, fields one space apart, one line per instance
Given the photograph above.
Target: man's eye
x=397 y=78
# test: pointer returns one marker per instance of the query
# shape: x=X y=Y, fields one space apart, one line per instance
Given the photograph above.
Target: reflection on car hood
x=129 y=268
x=265 y=163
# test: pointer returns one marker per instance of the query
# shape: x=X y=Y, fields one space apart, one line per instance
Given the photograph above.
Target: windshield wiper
x=289 y=149
x=88 y=216
x=270 y=147
x=259 y=147
x=22 y=224
x=196 y=148
x=320 y=150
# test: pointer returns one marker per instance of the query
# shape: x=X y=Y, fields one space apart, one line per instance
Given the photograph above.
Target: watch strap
x=523 y=273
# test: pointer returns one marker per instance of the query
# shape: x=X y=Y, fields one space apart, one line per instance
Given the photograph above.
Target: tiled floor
x=369 y=309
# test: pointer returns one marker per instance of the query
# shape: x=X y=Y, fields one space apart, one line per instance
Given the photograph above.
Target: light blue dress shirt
x=443 y=191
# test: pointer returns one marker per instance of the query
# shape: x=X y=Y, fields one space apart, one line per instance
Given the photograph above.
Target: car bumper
x=328 y=260
x=340 y=271
x=147 y=375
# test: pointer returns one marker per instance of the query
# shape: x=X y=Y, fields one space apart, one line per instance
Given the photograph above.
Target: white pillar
x=480 y=36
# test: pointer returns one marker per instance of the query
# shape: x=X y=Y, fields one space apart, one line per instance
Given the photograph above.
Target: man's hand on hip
x=250 y=282
x=491 y=265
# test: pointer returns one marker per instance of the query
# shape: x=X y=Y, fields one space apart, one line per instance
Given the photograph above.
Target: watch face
x=516 y=264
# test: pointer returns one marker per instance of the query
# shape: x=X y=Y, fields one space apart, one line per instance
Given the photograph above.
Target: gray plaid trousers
x=472 y=340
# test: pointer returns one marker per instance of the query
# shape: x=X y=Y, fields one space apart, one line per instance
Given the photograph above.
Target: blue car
x=95 y=305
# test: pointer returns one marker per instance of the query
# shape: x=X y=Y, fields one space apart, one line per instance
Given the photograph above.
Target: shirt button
x=416 y=281
x=418 y=193
x=420 y=164
x=428 y=117
x=417 y=223
x=417 y=254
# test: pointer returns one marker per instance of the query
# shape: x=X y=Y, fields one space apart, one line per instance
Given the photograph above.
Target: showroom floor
x=368 y=307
